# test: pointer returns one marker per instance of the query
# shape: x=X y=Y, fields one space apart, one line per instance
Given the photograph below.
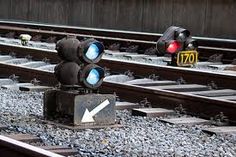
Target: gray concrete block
x=221 y=130
x=35 y=88
x=125 y=105
x=186 y=121
x=152 y=112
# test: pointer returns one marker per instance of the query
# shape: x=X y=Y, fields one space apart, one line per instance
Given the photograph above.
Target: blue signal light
x=92 y=52
x=93 y=77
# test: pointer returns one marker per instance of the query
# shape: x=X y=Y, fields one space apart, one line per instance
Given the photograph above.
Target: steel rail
x=13 y=148
x=203 y=41
x=141 y=69
x=204 y=51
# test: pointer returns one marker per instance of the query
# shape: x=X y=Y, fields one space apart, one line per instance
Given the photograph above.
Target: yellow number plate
x=187 y=58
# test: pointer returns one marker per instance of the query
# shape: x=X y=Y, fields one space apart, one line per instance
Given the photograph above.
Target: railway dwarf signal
x=172 y=46
x=80 y=76
x=178 y=43
x=78 y=67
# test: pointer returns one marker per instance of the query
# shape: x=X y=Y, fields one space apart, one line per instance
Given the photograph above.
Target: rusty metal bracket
x=51 y=39
x=215 y=58
x=132 y=48
x=180 y=110
x=10 y=35
x=114 y=47
x=181 y=81
x=145 y=103
x=107 y=71
x=35 y=82
x=14 y=78
x=154 y=77
x=117 y=97
x=234 y=62
x=82 y=109
x=37 y=37
x=46 y=60
x=151 y=51
x=13 y=54
x=220 y=120
x=29 y=57
x=129 y=73
x=212 y=85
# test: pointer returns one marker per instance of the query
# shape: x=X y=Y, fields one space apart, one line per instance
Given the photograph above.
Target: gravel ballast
x=139 y=136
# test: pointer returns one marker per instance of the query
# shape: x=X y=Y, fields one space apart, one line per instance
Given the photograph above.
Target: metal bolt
x=35 y=82
x=129 y=73
x=212 y=85
x=46 y=60
x=181 y=81
x=145 y=103
x=153 y=77
x=14 y=78
x=180 y=110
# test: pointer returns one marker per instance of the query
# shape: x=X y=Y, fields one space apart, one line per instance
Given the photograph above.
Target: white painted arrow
x=88 y=116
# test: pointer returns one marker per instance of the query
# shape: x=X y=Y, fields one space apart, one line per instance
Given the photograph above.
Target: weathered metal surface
x=152 y=112
x=91 y=102
x=85 y=109
x=150 y=16
x=49 y=99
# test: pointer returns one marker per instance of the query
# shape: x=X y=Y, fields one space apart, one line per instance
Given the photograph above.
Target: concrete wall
x=213 y=18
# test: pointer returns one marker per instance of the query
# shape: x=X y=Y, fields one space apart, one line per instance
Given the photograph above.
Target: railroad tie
x=62 y=150
x=27 y=138
x=3 y=127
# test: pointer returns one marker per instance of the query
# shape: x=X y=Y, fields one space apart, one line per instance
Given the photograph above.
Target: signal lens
x=173 y=47
x=92 y=52
x=181 y=37
x=93 y=77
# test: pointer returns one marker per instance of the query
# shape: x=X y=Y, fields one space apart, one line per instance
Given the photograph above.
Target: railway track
x=121 y=40
x=160 y=93
x=201 y=92
x=115 y=64
x=113 y=141
x=203 y=41
x=11 y=147
x=130 y=88
x=16 y=144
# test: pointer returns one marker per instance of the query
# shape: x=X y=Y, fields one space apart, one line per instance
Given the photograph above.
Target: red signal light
x=173 y=46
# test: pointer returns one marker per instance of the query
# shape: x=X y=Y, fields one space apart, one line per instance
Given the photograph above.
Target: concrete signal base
x=82 y=109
